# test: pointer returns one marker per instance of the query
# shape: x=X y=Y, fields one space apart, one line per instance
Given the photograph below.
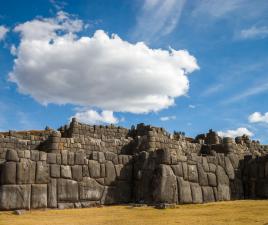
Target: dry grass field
x=234 y=212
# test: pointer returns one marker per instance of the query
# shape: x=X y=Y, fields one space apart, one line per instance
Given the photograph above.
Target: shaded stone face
x=89 y=189
x=165 y=185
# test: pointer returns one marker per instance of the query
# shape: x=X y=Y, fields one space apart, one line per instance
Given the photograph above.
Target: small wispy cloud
x=167 y=118
x=257 y=117
x=253 y=32
x=3 y=32
x=59 y=5
x=192 y=106
x=216 y=8
x=255 y=90
x=212 y=90
x=157 y=18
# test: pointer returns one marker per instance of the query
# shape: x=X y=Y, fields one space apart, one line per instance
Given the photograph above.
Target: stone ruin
x=82 y=166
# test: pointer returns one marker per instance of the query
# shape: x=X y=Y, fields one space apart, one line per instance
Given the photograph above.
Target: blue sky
x=203 y=64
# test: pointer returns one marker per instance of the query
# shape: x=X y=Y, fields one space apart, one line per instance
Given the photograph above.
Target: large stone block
x=71 y=158
x=77 y=172
x=51 y=158
x=212 y=167
x=185 y=170
x=42 y=156
x=12 y=155
x=85 y=171
x=101 y=157
x=34 y=155
x=163 y=156
x=52 y=194
x=192 y=173
x=27 y=154
x=39 y=196
x=165 y=188
x=223 y=192
x=208 y=194
x=212 y=180
x=123 y=172
x=111 y=157
x=8 y=173
x=110 y=173
x=124 y=192
x=64 y=157
x=222 y=177
x=185 y=195
x=221 y=160
x=15 y=197
x=229 y=169
x=42 y=173
x=234 y=160
x=237 y=189
x=109 y=196
x=197 y=195
x=79 y=158
x=102 y=170
x=26 y=172
x=203 y=179
x=223 y=184
x=58 y=158
x=177 y=169
x=118 y=169
x=205 y=164
x=66 y=172
x=67 y=190
x=94 y=169
x=90 y=189
x=55 y=170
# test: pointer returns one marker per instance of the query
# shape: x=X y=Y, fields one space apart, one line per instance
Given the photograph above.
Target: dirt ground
x=233 y=212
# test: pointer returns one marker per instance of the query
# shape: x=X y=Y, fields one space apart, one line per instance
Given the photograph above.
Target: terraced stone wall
x=82 y=166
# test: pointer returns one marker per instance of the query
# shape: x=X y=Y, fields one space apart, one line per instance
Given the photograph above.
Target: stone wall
x=36 y=179
x=186 y=179
x=82 y=166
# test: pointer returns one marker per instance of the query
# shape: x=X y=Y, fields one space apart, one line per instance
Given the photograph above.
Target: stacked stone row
x=192 y=179
x=100 y=132
x=18 y=144
x=89 y=144
x=36 y=179
x=158 y=140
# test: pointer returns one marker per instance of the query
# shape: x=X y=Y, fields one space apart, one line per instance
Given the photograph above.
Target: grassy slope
x=235 y=212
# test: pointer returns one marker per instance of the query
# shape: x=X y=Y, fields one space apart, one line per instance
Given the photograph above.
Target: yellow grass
x=235 y=212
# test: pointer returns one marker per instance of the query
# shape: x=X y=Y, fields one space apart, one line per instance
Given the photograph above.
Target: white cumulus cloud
x=235 y=133
x=257 y=117
x=93 y=117
x=3 y=32
x=55 y=65
x=166 y=118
